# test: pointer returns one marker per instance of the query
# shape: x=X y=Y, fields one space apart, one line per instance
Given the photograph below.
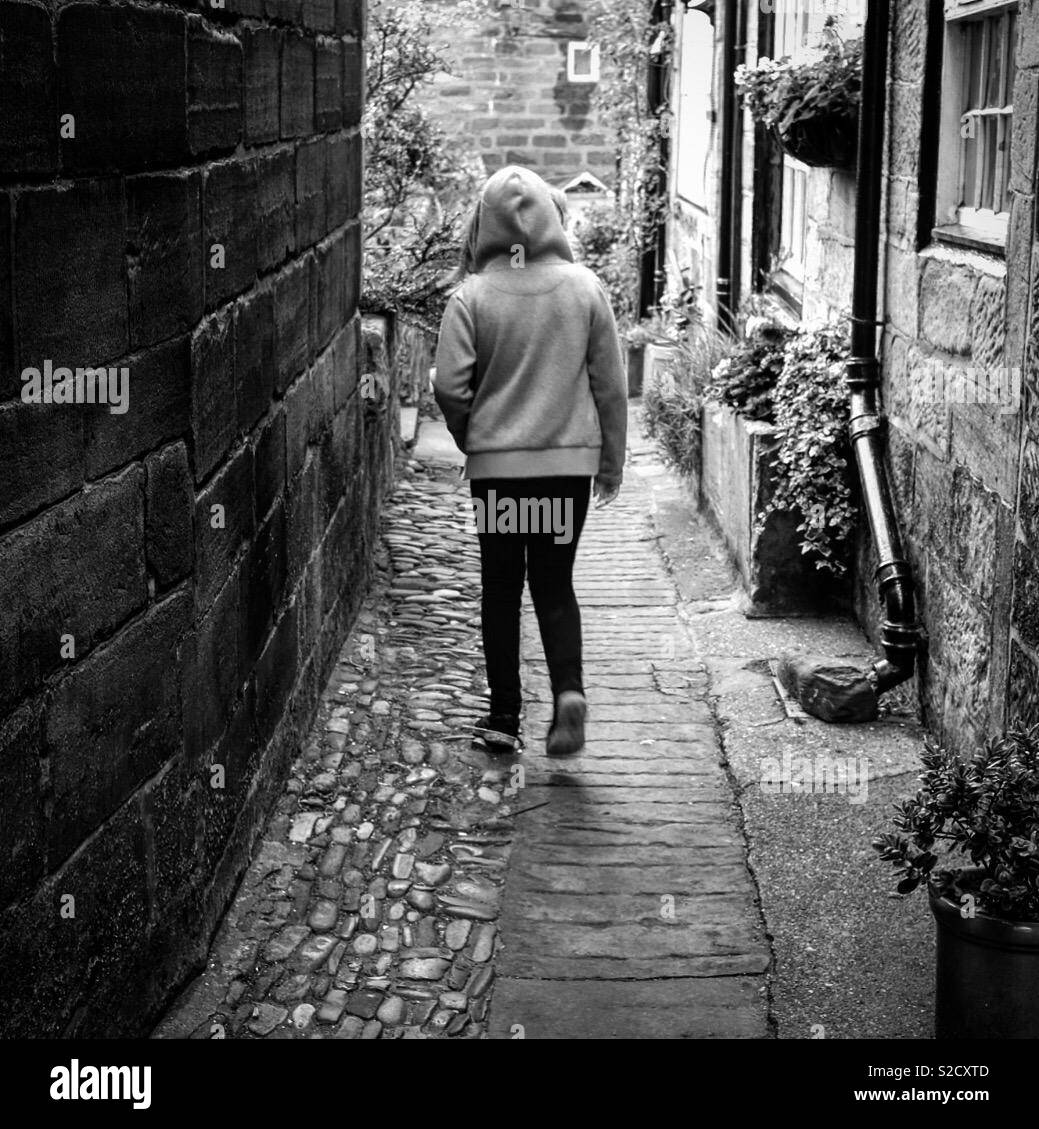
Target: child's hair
x=561 y=203
x=467 y=255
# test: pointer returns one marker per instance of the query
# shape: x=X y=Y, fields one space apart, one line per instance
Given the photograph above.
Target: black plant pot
x=987 y=983
x=636 y=369
x=823 y=142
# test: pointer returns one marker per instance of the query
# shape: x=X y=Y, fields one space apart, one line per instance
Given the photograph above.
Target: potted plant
x=811 y=105
x=651 y=344
x=985 y=810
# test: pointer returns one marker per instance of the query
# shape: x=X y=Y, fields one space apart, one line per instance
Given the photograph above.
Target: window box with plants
x=811 y=105
x=777 y=466
x=982 y=813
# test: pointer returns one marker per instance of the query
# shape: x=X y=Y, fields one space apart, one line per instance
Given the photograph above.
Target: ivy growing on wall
x=814 y=475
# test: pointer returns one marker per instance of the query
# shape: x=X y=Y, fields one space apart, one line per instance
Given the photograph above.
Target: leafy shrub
x=746 y=378
x=605 y=246
x=813 y=458
x=985 y=809
x=419 y=183
x=672 y=400
x=827 y=83
x=628 y=36
x=793 y=380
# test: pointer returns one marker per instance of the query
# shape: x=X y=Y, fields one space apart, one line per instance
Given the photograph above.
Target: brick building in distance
x=522 y=90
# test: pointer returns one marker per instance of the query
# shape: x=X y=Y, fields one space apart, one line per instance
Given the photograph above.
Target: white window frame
x=694 y=120
x=955 y=219
x=573 y=49
x=798 y=26
x=793 y=229
x=796 y=23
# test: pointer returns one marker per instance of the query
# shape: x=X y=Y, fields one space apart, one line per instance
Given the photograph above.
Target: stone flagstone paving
x=411 y=886
x=628 y=909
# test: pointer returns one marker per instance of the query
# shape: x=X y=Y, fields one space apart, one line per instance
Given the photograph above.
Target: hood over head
x=517 y=209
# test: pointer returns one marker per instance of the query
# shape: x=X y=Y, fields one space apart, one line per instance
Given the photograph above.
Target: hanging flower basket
x=828 y=141
x=812 y=105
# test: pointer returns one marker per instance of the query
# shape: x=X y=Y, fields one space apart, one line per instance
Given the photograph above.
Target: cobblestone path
x=410 y=886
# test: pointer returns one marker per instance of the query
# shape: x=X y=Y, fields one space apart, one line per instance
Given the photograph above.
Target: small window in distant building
x=582 y=62
x=977 y=116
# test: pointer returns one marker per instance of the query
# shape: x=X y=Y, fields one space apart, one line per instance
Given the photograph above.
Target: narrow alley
x=734 y=308
x=411 y=885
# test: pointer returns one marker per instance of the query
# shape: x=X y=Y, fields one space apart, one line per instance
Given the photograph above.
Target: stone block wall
x=965 y=475
x=400 y=353
x=179 y=192
x=509 y=97
x=830 y=247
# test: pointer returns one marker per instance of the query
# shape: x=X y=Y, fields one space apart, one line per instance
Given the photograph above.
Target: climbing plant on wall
x=814 y=460
x=629 y=41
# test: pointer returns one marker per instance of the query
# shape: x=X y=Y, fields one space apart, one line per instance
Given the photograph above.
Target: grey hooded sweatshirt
x=529 y=371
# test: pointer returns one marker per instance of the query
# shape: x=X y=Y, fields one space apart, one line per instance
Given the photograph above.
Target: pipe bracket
x=893 y=572
x=862 y=373
x=863 y=426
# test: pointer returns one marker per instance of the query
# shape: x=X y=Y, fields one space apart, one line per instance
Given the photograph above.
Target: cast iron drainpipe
x=900 y=633
x=725 y=298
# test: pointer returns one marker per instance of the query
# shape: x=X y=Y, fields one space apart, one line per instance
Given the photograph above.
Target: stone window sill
x=986 y=262
x=957 y=235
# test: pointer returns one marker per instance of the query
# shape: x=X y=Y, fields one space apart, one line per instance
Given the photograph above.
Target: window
x=798 y=24
x=582 y=62
x=973 y=202
x=798 y=28
x=793 y=227
x=695 y=122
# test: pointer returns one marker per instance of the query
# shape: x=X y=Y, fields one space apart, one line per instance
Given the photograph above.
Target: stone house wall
x=692 y=235
x=965 y=475
x=175 y=580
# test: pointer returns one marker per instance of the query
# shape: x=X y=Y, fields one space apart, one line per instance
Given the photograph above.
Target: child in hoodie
x=530 y=379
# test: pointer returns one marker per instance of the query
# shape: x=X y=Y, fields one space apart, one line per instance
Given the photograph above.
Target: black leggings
x=535 y=533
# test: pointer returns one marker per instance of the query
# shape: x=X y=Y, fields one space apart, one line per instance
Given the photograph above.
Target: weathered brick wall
x=175 y=580
x=509 y=96
x=968 y=500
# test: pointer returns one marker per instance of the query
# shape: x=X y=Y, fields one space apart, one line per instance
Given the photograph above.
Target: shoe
x=499 y=731
x=566 y=736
